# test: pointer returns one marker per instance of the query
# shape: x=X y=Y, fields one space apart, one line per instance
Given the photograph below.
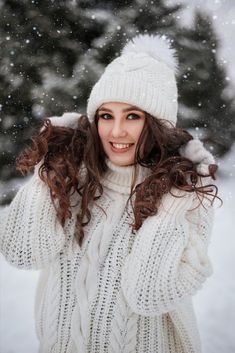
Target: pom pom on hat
x=158 y=47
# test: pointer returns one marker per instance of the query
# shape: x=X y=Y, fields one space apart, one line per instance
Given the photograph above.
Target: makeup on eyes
x=137 y=116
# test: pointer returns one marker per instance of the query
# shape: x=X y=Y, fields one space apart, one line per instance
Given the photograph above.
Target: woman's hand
x=196 y=152
x=66 y=120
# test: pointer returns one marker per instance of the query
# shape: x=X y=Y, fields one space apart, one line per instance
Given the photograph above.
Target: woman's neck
x=120 y=178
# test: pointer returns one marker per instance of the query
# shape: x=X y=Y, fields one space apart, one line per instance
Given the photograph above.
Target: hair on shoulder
x=72 y=163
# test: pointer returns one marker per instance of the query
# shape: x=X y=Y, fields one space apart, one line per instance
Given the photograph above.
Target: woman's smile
x=120 y=147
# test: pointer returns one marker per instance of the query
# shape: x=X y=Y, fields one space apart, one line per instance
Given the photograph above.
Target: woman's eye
x=104 y=116
x=108 y=116
x=134 y=116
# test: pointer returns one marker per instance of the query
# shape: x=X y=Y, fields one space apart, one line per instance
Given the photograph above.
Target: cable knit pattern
x=124 y=329
x=119 y=291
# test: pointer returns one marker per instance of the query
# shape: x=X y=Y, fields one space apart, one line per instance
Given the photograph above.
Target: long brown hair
x=73 y=163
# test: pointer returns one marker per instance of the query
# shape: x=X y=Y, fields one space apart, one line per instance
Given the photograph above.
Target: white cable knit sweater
x=120 y=292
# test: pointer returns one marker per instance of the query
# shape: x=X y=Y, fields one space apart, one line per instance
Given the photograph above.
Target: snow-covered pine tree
x=203 y=83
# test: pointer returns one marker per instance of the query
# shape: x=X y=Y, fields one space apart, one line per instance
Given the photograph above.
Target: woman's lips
x=120 y=150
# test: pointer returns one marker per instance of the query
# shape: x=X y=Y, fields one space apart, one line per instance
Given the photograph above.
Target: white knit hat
x=144 y=75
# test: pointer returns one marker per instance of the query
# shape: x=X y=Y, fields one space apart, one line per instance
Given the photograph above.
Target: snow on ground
x=214 y=303
x=17 y=291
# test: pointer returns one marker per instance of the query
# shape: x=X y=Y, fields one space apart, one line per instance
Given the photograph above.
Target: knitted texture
x=196 y=152
x=119 y=292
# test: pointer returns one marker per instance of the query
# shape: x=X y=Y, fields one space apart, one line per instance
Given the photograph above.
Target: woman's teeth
x=121 y=145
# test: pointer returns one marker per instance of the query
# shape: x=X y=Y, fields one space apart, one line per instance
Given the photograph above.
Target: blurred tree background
x=52 y=52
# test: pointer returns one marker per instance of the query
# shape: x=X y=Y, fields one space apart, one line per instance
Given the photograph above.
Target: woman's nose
x=118 y=130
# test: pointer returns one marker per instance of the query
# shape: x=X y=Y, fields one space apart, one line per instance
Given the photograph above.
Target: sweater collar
x=119 y=178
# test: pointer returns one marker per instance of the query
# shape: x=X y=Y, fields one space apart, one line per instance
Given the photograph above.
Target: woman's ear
x=196 y=152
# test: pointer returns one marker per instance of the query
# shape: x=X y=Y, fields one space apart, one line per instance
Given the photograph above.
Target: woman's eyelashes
x=134 y=115
x=108 y=116
x=104 y=116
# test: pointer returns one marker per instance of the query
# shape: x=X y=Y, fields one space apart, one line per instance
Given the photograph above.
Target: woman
x=118 y=215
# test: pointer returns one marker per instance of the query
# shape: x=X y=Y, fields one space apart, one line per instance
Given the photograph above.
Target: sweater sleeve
x=30 y=233
x=168 y=261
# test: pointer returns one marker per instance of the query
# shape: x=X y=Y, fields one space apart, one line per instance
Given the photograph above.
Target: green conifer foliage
x=203 y=84
x=52 y=52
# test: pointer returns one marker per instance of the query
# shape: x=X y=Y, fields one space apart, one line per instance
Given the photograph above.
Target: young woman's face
x=119 y=128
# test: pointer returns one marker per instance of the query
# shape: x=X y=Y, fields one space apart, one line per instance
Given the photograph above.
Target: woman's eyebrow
x=132 y=108
x=124 y=110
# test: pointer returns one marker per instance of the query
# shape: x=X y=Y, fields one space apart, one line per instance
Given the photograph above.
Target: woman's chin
x=121 y=160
